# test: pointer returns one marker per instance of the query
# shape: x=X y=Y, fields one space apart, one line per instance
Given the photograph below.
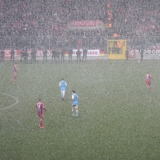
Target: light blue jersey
x=74 y=99
x=62 y=85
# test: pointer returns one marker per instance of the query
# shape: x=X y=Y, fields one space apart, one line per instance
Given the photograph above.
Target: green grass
x=118 y=117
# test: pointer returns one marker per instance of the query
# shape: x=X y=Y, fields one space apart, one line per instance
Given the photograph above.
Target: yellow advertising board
x=116 y=49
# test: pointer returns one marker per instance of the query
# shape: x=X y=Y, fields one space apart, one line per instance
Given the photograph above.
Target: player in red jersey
x=40 y=107
x=14 y=77
x=148 y=81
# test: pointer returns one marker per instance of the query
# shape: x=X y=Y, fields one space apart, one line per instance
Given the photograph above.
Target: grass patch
x=118 y=117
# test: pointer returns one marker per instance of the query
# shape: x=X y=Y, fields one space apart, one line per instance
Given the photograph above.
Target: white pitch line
x=12 y=104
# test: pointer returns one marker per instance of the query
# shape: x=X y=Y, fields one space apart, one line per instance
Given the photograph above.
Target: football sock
x=40 y=123
x=77 y=113
x=63 y=94
x=72 y=112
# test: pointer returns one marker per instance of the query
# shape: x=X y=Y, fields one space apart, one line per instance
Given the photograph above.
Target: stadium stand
x=43 y=23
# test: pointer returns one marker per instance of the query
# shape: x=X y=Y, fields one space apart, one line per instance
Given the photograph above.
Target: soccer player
x=148 y=81
x=62 y=86
x=74 y=103
x=40 y=107
x=14 y=77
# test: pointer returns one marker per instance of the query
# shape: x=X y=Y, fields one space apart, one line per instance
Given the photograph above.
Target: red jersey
x=14 y=68
x=148 y=77
x=40 y=106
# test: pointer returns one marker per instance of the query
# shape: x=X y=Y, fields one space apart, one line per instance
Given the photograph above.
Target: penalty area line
x=16 y=99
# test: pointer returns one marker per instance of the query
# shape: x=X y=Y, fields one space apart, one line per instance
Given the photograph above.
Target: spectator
x=78 y=53
x=12 y=54
x=33 y=24
x=62 y=55
x=44 y=55
x=70 y=53
x=2 y=55
x=84 y=54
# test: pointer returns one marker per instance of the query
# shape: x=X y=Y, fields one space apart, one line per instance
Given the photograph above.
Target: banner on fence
x=89 y=52
x=39 y=53
x=147 y=54
x=85 y=24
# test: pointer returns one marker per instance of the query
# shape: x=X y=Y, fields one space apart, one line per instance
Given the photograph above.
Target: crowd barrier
x=39 y=53
x=146 y=54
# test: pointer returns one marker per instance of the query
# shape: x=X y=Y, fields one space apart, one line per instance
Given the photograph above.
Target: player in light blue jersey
x=62 y=86
x=74 y=103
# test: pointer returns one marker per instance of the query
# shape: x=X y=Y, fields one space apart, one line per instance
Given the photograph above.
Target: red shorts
x=148 y=83
x=40 y=115
x=14 y=74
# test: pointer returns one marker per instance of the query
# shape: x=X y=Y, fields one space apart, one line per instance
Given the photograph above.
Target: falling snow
x=75 y=40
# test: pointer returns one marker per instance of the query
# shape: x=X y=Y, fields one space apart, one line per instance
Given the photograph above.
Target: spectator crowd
x=43 y=23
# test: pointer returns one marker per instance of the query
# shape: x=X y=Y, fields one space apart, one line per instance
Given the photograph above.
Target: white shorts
x=75 y=106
